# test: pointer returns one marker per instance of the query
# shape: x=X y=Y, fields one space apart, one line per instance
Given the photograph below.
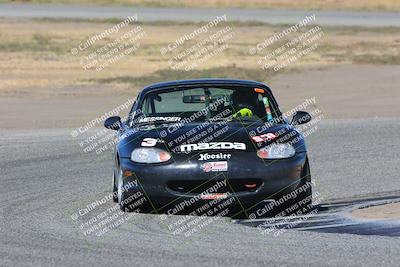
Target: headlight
x=149 y=155
x=276 y=151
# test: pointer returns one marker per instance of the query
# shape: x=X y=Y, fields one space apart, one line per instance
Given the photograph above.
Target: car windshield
x=207 y=104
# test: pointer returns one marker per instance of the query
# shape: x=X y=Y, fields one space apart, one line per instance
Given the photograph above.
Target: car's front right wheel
x=121 y=194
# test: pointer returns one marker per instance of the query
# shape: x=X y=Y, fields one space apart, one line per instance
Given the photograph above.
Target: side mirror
x=300 y=117
x=113 y=123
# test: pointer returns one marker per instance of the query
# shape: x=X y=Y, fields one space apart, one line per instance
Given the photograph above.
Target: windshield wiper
x=218 y=119
x=153 y=123
x=248 y=119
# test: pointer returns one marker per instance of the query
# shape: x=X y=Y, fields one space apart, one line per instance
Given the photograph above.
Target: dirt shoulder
x=382 y=212
x=346 y=91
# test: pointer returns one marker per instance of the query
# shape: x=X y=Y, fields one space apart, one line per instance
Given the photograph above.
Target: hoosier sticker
x=207 y=156
x=218 y=166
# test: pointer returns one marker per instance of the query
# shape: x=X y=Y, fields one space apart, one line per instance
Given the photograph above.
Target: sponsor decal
x=263 y=137
x=150 y=119
x=150 y=142
x=207 y=156
x=215 y=196
x=213 y=145
x=217 y=166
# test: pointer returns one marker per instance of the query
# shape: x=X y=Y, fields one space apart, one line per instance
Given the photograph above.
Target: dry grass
x=389 y=5
x=36 y=58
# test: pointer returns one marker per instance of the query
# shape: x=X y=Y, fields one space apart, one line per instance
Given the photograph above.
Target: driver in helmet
x=243 y=103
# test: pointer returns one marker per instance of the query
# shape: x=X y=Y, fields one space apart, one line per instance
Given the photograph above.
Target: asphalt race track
x=46 y=178
x=272 y=16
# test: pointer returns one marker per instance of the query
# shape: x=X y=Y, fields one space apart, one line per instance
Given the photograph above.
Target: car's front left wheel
x=114 y=190
x=302 y=203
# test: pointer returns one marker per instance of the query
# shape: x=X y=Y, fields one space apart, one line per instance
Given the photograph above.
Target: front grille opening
x=219 y=186
x=244 y=185
x=198 y=186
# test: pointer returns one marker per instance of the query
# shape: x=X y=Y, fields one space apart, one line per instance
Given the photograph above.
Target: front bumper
x=177 y=183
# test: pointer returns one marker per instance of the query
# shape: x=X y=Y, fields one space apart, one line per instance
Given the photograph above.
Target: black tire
x=304 y=198
x=124 y=199
x=114 y=190
x=121 y=194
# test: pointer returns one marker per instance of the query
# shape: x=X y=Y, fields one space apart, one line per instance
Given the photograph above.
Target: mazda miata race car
x=209 y=144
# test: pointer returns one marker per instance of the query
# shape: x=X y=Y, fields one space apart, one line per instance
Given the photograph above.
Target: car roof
x=205 y=82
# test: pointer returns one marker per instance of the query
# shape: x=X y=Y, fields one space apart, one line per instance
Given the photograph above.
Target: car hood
x=186 y=138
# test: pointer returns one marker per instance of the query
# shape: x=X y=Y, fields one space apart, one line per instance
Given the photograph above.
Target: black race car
x=194 y=145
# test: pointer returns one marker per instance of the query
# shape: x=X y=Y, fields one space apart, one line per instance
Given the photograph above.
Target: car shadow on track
x=335 y=217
